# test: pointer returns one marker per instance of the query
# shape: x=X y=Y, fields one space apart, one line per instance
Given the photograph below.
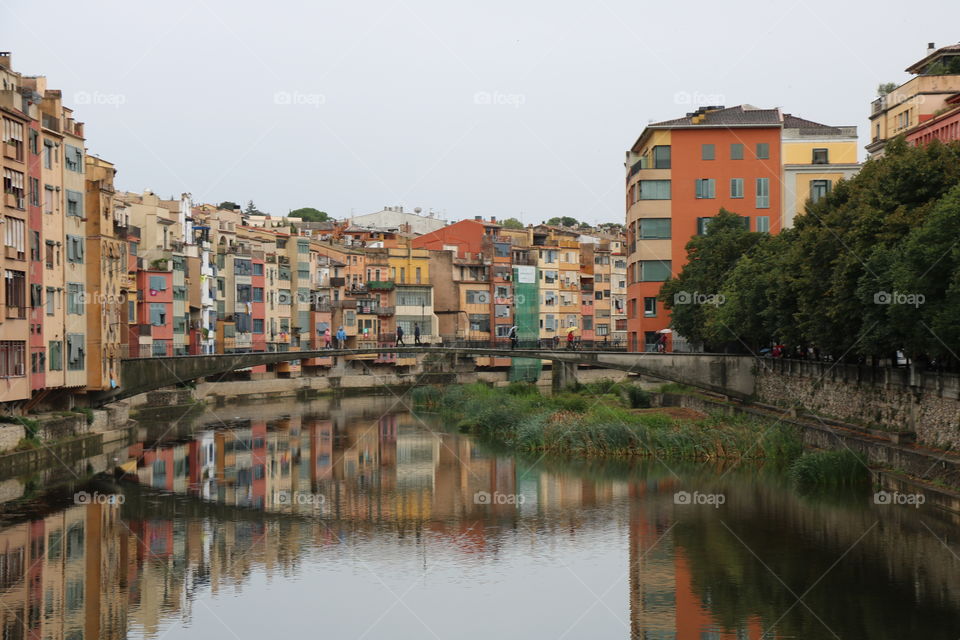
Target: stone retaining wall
x=891 y=399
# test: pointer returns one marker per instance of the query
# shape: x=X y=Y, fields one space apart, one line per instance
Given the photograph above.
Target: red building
x=944 y=127
x=155 y=312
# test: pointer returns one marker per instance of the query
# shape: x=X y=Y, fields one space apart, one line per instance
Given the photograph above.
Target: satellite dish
x=417 y=209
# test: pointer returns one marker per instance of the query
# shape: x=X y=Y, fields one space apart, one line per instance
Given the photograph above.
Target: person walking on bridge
x=341 y=338
x=400 y=337
x=513 y=337
x=327 y=339
x=416 y=333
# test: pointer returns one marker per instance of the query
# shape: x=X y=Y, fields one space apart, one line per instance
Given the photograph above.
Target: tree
x=885 y=87
x=511 y=223
x=310 y=214
x=229 y=206
x=710 y=258
x=565 y=221
x=252 y=209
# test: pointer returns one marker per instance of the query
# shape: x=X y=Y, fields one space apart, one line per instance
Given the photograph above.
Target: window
x=736 y=187
x=418 y=276
x=75 y=249
x=736 y=151
x=706 y=188
x=34 y=143
x=34 y=192
x=242 y=267
x=477 y=297
x=158 y=314
x=180 y=292
x=13 y=185
x=587 y=323
x=258 y=325
x=51 y=301
x=654 y=189
x=48 y=194
x=650 y=307
x=821 y=156
x=48 y=154
x=654 y=228
x=707 y=152
x=258 y=294
x=819 y=189
x=75 y=298
x=763 y=193
x=763 y=150
x=413 y=297
x=16 y=293
x=48 y=258
x=303 y=246
x=35 y=253
x=258 y=268
x=763 y=224
x=654 y=271
x=15 y=231
x=501 y=250
x=158 y=283
x=702 y=224
x=549 y=298
x=73 y=158
x=75 y=352
x=603 y=329
x=661 y=157
x=74 y=203
x=244 y=292
x=56 y=355
x=503 y=330
x=13 y=136
x=12 y=358
x=480 y=322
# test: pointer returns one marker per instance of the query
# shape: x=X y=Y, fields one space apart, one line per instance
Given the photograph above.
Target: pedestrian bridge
x=731 y=375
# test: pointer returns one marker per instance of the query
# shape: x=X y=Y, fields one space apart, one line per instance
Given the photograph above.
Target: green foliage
x=869 y=269
x=86 y=411
x=228 y=205
x=252 y=208
x=511 y=223
x=578 y=423
x=885 y=87
x=563 y=221
x=310 y=214
x=828 y=468
x=637 y=397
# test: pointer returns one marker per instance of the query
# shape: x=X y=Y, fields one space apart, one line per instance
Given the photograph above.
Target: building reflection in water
x=261 y=496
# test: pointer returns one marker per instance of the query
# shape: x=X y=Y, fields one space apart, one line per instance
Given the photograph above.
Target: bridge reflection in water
x=343 y=499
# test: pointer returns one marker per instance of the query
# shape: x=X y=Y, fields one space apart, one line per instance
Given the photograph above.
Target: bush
x=828 y=468
x=638 y=398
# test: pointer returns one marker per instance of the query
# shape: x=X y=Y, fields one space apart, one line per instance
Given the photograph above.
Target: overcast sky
x=522 y=108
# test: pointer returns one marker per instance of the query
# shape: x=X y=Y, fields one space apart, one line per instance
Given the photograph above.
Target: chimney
x=931 y=47
x=493 y=219
x=478 y=218
x=5 y=61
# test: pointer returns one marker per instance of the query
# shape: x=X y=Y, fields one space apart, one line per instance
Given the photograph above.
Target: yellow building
x=936 y=77
x=815 y=157
x=413 y=297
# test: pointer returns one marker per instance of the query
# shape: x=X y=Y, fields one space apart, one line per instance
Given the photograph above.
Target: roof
x=738 y=116
x=918 y=66
x=808 y=126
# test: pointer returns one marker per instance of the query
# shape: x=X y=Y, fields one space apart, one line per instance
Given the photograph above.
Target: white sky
x=521 y=108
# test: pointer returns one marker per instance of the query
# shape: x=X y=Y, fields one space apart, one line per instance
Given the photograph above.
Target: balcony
x=356 y=290
x=385 y=311
x=380 y=285
x=338 y=282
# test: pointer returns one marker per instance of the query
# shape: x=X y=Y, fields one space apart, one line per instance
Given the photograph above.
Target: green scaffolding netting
x=526 y=315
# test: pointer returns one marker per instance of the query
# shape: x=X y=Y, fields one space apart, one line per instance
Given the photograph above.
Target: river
x=353 y=518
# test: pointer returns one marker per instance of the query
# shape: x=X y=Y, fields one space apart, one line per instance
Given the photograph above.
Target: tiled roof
x=808 y=126
x=918 y=66
x=741 y=115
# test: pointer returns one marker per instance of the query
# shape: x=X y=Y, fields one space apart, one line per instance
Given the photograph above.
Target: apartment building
x=936 y=79
x=751 y=161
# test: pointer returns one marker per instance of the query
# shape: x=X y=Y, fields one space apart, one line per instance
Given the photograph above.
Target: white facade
x=395 y=219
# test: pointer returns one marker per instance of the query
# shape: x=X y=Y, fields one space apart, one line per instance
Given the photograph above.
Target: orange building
x=680 y=173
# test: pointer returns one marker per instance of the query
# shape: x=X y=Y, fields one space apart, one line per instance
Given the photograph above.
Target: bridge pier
x=563 y=375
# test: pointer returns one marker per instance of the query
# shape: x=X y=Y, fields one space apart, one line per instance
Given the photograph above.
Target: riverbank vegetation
x=870 y=269
x=612 y=420
x=601 y=421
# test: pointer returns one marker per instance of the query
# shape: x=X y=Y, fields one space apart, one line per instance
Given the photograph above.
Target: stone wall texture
x=890 y=399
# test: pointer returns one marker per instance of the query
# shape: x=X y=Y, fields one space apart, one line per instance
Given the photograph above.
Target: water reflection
x=360 y=523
